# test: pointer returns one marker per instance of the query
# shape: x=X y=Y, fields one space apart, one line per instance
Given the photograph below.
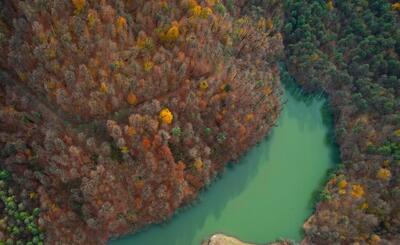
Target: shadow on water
x=211 y=202
x=302 y=100
x=299 y=95
x=293 y=90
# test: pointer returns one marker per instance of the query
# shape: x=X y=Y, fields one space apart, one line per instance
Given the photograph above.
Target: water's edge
x=259 y=199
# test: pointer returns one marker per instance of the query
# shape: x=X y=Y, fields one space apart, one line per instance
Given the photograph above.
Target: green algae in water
x=270 y=192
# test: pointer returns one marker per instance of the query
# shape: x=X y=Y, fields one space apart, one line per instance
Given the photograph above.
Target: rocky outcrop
x=221 y=239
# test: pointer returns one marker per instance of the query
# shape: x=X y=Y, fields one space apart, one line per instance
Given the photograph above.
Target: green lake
x=269 y=193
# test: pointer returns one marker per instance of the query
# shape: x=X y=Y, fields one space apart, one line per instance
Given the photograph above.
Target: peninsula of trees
x=113 y=114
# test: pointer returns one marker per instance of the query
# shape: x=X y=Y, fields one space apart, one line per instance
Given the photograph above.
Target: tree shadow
x=325 y=113
x=302 y=101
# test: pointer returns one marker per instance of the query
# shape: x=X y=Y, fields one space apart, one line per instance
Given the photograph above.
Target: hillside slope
x=116 y=113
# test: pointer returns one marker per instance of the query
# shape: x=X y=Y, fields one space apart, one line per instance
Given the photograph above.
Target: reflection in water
x=267 y=194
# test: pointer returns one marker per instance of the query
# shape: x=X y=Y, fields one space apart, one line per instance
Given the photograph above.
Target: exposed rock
x=221 y=239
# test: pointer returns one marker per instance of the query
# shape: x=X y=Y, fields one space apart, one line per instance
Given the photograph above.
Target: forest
x=116 y=113
x=350 y=50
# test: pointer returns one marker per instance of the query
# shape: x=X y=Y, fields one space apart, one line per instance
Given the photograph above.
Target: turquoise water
x=269 y=193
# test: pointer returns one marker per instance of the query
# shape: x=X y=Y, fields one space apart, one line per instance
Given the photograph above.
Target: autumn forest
x=114 y=114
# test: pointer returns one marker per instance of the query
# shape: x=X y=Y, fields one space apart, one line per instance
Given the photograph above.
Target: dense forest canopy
x=113 y=114
x=350 y=50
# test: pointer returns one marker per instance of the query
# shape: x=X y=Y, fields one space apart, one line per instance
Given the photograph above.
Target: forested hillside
x=116 y=113
x=113 y=114
x=350 y=50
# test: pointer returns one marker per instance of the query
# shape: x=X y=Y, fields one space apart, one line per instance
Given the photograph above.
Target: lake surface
x=269 y=193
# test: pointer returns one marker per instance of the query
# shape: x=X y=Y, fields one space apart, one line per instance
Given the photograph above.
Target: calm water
x=267 y=195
